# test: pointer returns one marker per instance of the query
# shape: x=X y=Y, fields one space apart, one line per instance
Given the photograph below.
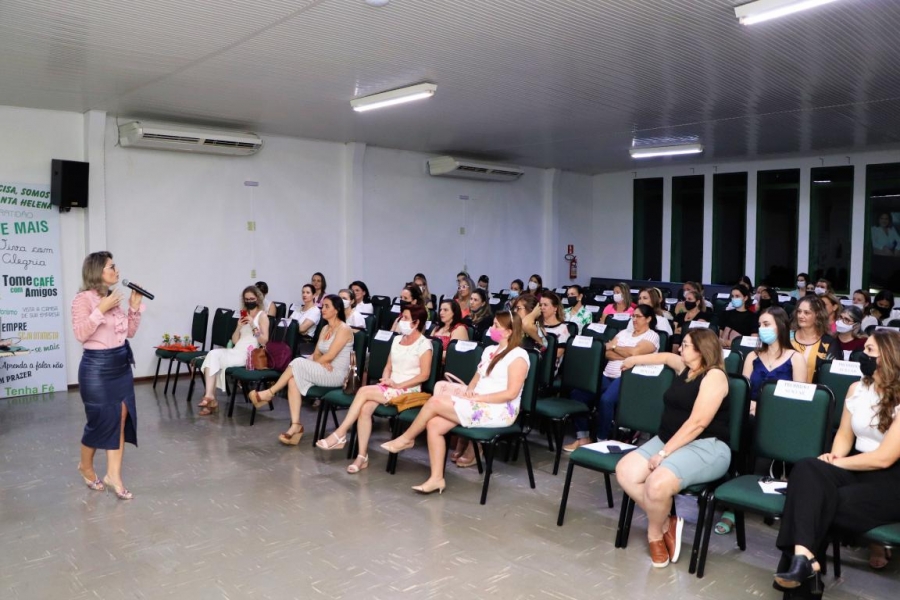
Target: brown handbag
x=352 y=382
x=410 y=400
x=259 y=360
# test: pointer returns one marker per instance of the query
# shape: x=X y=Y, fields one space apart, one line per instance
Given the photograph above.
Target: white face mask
x=843 y=327
x=617 y=298
x=346 y=304
x=405 y=327
x=532 y=286
x=859 y=305
x=801 y=285
x=820 y=291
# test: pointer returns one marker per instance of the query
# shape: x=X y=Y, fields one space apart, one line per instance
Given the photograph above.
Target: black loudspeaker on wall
x=69 y=184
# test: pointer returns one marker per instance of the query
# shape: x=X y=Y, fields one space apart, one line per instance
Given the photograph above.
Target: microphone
x=138 y=289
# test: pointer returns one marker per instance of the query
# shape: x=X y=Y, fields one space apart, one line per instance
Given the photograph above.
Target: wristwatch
x=662 y=453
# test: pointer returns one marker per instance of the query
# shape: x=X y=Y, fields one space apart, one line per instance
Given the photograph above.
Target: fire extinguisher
x=573 y=262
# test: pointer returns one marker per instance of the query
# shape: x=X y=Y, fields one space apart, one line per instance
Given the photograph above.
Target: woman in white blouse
x=308 y=314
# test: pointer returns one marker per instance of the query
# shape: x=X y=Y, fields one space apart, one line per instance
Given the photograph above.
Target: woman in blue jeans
x=641 y=340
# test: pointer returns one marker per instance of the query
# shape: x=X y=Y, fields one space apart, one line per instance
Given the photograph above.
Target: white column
x=95 y=154
x=750 y=262
x=667 y=229
x=858 y=225
x=803 y=220
x=707 y=227
x=549 y=213
x=352 y=209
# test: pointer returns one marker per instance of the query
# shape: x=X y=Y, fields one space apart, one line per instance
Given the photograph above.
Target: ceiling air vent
x=449 y=166
x=138 y=134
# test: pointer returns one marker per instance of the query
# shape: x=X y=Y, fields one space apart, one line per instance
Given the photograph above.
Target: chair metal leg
x=156 y=375
x=620 y=528
x=190 y=393
x=177 y=373
x=740 y=531
x=528 y=464
x=702 y=501
x=319 y=431
x=488 y=466
x=560 y=430
x=708 y=524
x=628 y=505
x=565 y=494
x=609 y=498
x=232 y=399
x=836 y=545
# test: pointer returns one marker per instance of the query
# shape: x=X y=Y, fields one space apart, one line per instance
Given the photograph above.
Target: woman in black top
x=692 y=444
x=739 y=320
x=694 y=310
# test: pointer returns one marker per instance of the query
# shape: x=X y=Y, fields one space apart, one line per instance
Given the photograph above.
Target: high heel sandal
x=209 y=408
x=121 y=492
x=291 y=439
x=337 y=445
x=354 y=469
x=257 y=400
x=95 y=485
x=801 y=569
x=425 y=488
x=395 y=447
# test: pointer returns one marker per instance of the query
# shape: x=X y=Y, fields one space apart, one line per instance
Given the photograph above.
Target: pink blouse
x=101 y=331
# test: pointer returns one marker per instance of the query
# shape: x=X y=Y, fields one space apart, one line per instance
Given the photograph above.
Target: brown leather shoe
x=659 y=555
x=672 y=537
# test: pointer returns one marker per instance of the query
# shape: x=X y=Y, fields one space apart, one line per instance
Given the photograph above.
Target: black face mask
x=867 y=365
x=250 y=305
x=764 y=304
x=690 y=305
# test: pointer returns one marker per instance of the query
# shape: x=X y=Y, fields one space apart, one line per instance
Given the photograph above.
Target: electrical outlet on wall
x=252 y=273
x=251 y=225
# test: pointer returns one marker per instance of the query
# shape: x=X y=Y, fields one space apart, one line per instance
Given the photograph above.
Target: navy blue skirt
x=105 y=382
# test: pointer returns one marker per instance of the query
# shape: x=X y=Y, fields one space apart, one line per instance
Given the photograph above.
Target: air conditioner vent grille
x=472 y=169
x=172 y=138
x=229 y=143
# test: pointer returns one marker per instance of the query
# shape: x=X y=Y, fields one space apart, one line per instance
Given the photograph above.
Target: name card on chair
x=621 y=317
x=723 y=296
x=725 y=352
x=648 y=370
x=784 y=297
x=383 y=335
x=846 y=367
x=699 y=325
x=749 y=341
x=608 y=293
x=795 y=390
x=582 y=341
x=598 y=327
x=561 y=290
x=395 y=309
x=635 y=291
x=592 y=308
x=427 y=325
x=671 y=301
x=599 y=298
x=888 y=328
x=465 y=345
x=494 y=301
x=846 y=302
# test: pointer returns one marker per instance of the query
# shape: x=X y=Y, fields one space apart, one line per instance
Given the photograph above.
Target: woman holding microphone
x=104 y=375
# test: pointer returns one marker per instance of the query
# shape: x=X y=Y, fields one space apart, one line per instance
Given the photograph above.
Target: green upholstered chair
x=199 y=325
x=222 y=328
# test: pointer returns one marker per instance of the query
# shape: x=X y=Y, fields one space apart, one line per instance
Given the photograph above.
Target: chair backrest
x=663 y=339
x=738 y=409
x=529 y=390
x=388 y=316
x=383 y=301
x=838 y=379
x=379 y=350
x=734 y=363
x=360 y=340
x=437 y=348
x=370 y=325
x=285 y=330
x=596 y=330
x=319 y=327
x=280 y=310
x=548 y=361
x=583 y=366
x=199 y=325
x=789 y=429
x=614 y=326
x=738 y=344
x=641 y=398
x=572 y=327
x=223 y=326
x=463 y=363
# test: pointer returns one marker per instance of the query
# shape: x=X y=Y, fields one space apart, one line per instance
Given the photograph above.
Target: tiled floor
x=222 y=510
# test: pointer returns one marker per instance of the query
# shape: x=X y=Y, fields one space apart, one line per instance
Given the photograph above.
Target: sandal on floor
x=257 y=399
x=353 y=468
x=725 y=524
x=462 y=462
x=291 y=439
x=339 y=442
x=878 y=560
x=209 y=409
x=204 y=402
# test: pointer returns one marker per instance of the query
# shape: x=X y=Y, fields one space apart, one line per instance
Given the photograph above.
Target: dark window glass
x=687 y=228
x=647 y=234
x=882 y=252
x=831 y=213
x=777 y=202
x=729 y=227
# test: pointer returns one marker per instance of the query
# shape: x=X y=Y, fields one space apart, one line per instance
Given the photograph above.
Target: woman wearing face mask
x=652 y=297
x=420 y=281
x=463 y=295
x=408 y=367
x=361 y=295
x=319 y=285
x=515 y=290
x=353 y=317
x=774 y=358
x=536 y=286
x=883 y=308
x=576 y=312
x=480 y=317
x=490 y=400
x=823 y=286
x=450 y=324
x=697 y=289
x=850 y=336
x=738 y=321
x=328 y=366
x=811 y=337
x=802 y=282
x=768 y=298
x=694 y=310
x=863 y=301
x=308 y=314
x=484 y=282
x=621 y=303
x=856 y=486
x=832 y=309
x=252 y=331
x=410 y=295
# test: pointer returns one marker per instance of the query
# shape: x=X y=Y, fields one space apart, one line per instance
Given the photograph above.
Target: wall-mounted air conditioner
x=140 y=134
x=449 y=166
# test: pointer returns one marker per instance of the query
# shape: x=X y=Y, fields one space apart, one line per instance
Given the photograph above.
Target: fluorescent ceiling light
x=392 y=97
x=763 y=10
x=674 y=150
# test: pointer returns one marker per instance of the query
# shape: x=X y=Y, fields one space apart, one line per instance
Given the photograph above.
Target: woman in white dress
x=490 y=400
x=327 y=367
x=252 y=331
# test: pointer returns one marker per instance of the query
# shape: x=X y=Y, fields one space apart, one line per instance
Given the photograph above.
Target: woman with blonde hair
x=621 y=302
x=811 y=334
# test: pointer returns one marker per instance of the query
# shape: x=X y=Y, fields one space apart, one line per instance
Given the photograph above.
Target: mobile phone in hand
x=244 y=313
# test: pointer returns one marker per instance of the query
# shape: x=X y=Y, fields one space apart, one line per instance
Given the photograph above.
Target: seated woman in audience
x=420 y=281
x=308 y=314
x=691 y=446
x=652 y=297
x=463 y=295
x=328 y=366
x=738 y=321
x=697 y=289
x=768 y=298
x=267 y=307
x=884 y=309
x=774 y=358
x=515 y=289
x=547 y=317
x=854 y=487
x=450 y=325
x=832 y=309
x=408 y=367
x=462 y=276
x=694 y=310
x=484 y=283
x=802 y=282
x=745 y=281
x=319 y=285
x=491 y=400
x=352 y=316
x=811 y=334
x=823 y=286
x=252 y=331
x=523 y=306
x=410 y=295
x=621 y=303
x=863 y=301
x=641 y=340
x=480 y=316
x=536 y=286
x=577 y=312
x=363 y=299
x=850 y=336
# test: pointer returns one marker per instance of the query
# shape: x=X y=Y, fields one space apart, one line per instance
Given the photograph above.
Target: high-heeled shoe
x=464 y=462
x=257 y=399
x=95 y=485
x=430 y=488
x=291 y=439
x=801 y=569
x=339 y=442
x=395 y=447
x=210 y=408
x=121 y=492
x=353 y=469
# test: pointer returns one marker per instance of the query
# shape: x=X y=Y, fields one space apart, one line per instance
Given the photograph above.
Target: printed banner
x=32 y=339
